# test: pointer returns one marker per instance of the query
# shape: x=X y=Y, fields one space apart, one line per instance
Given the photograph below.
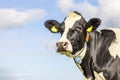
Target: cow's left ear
x=93 y=24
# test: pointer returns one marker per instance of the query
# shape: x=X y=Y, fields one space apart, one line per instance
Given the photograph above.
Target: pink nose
x=62 y=46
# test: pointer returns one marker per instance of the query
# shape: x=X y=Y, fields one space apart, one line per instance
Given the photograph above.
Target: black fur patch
x=98 y=57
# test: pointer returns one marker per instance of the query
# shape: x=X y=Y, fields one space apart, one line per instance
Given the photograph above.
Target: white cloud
x=13 y=18
x=107 y=10
x=64 y=5
x=83 y=7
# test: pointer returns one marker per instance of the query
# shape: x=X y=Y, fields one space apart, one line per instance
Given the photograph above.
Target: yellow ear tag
x=89 y=29
x=54 y=29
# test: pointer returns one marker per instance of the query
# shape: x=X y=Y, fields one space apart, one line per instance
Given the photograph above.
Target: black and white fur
x=100 y=54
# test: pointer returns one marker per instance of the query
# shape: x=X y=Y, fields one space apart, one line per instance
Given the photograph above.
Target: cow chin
x=67 y=53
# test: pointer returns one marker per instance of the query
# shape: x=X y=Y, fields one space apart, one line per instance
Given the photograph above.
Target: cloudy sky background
x=27 y=48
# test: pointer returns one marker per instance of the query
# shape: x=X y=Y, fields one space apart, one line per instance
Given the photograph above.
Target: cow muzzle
x=61 y=46
x=64 y=47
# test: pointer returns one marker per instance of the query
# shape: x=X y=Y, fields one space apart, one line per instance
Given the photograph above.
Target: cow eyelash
x=71 y=30
x=78 y=29
x=61 y=30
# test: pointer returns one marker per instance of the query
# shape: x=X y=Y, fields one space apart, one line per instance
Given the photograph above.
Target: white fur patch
x=69 y=22
x=82 y=52
x=99 y=31
x=84 y=78
x=99 y=76
x=115 y=46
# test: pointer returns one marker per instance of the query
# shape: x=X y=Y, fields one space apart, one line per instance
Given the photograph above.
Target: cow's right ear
x=93 y=24
x=52 y=25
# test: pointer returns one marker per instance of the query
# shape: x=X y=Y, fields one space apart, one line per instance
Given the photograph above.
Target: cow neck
x=81 y=53
x=83 y=50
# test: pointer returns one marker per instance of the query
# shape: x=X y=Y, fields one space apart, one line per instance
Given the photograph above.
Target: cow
x=95 y=52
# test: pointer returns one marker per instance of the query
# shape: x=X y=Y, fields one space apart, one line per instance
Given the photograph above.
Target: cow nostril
x=65 y=44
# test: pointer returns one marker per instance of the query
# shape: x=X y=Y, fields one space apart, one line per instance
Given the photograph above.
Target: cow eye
x=72 y=30
x=78 y=29
x=61 y=30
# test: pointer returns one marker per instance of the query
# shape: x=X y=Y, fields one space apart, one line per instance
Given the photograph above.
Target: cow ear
x=93 y=24
x=52 y=25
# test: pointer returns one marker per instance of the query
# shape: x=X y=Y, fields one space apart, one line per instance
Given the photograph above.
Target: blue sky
x=27 y=48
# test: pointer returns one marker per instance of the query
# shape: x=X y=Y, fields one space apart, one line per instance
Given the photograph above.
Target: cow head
x=73 y=32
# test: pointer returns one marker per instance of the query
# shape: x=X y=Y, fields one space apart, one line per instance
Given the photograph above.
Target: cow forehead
x=71 y=19
x=69 y=22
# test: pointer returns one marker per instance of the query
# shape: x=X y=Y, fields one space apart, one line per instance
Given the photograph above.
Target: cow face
x=73 y=32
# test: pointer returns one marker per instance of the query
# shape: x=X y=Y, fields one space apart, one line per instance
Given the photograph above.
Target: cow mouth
x=64 y=51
